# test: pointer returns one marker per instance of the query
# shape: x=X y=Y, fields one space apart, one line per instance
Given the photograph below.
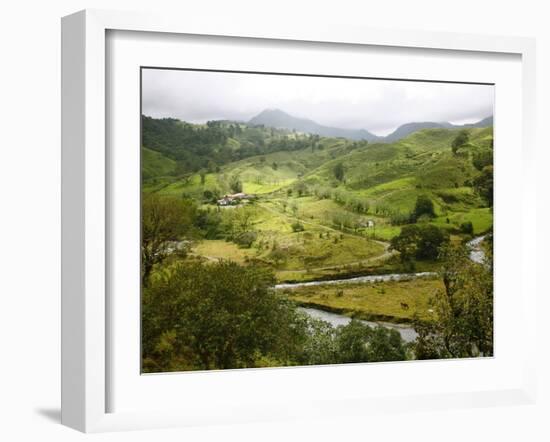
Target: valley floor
x=305 y=224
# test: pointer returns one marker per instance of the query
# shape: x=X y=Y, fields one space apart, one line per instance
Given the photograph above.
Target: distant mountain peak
x=273 y=110
x=408 y=128
x=277 y=118
x=280 y=119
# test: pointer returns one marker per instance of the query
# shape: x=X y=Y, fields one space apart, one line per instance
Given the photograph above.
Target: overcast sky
x=379 y=106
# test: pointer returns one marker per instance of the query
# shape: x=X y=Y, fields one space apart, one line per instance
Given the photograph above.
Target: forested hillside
x=245 y=221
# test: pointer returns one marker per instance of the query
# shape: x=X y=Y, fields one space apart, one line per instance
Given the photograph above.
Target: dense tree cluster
x=200 y=313
x=424 y=210
x=351 y=201
x=462 y=138
x=200 y=316
x=195 y=147
x=339 y=171
x=165 y=221
x=419 y=241
x=190 y=145
x=424 y=206
x=483 y=184
x=464 y=310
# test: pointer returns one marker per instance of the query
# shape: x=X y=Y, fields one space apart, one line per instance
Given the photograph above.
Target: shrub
x=467 y=227
x=297 y=227
x=178 y=306
x=245 y=239
x=460 y=140
x=339 y=171
x=424 y=206
x=482 y=159
x=419 y=241
x=278 y=256
x=235 y=184
x=399 y=218
x=483 y=184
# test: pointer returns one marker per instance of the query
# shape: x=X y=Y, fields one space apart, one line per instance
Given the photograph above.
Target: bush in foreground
x=198 y=316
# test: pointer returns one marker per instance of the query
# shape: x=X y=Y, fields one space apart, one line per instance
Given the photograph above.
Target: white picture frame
x=85 y=202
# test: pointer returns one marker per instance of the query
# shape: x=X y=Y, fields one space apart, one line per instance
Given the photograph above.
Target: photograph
x=293 y=220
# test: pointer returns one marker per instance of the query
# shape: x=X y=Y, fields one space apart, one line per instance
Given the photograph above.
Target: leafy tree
x=223 y=315
x=462 y=138
x=358 y=342
x=209 y=223
x=351 y=342
x=358 y=205
x=432 y=239
x=406 y=243
x=319 y=343
x=246 y=239
x=482 y=159
x=339 y=171
x=215 y=316
x=419 y=242
x=423 y=206
x=463 y=310
x=385 y=344
x=467 y=227
x=483 y=184
x=244 y=218
x=238 y=221
x=235 y=184
x=163 y=220
x=278 y=256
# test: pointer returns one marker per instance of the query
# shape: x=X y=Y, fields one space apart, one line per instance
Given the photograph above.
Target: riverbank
x=399 y=299
x=391 y=266
x=393 y=300
x=408 y=334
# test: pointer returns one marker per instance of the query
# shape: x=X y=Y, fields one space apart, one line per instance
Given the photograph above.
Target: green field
x=305 y=222
x=393 y=301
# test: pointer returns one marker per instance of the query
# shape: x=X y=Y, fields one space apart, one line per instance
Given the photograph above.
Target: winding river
x=358 y=280
x=408 y=334
x=476 y=251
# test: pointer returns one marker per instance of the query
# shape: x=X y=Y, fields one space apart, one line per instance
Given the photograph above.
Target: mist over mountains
x=279 y=119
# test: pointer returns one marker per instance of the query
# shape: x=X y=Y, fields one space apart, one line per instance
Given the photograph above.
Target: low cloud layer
x=379 y=106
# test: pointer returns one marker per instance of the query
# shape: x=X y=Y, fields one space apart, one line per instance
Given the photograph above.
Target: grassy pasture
x=315 y=247
x=481 y=219
x=154 y=164
x=388 y=176
x=220 y=249
x=373 y=301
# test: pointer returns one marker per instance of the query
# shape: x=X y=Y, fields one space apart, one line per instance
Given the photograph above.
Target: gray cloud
x=376 y=105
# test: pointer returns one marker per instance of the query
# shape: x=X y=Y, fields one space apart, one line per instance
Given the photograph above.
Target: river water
x=358 y=280
x=476 y=252
x=407 y=333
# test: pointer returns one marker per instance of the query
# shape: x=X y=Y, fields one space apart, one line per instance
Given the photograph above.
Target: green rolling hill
x=278 y=163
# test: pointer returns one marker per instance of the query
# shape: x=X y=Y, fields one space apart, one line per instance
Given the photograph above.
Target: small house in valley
x=235 y=199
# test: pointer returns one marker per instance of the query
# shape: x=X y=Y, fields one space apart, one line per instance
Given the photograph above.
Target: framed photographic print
x=272 y=223
x=273 y=240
